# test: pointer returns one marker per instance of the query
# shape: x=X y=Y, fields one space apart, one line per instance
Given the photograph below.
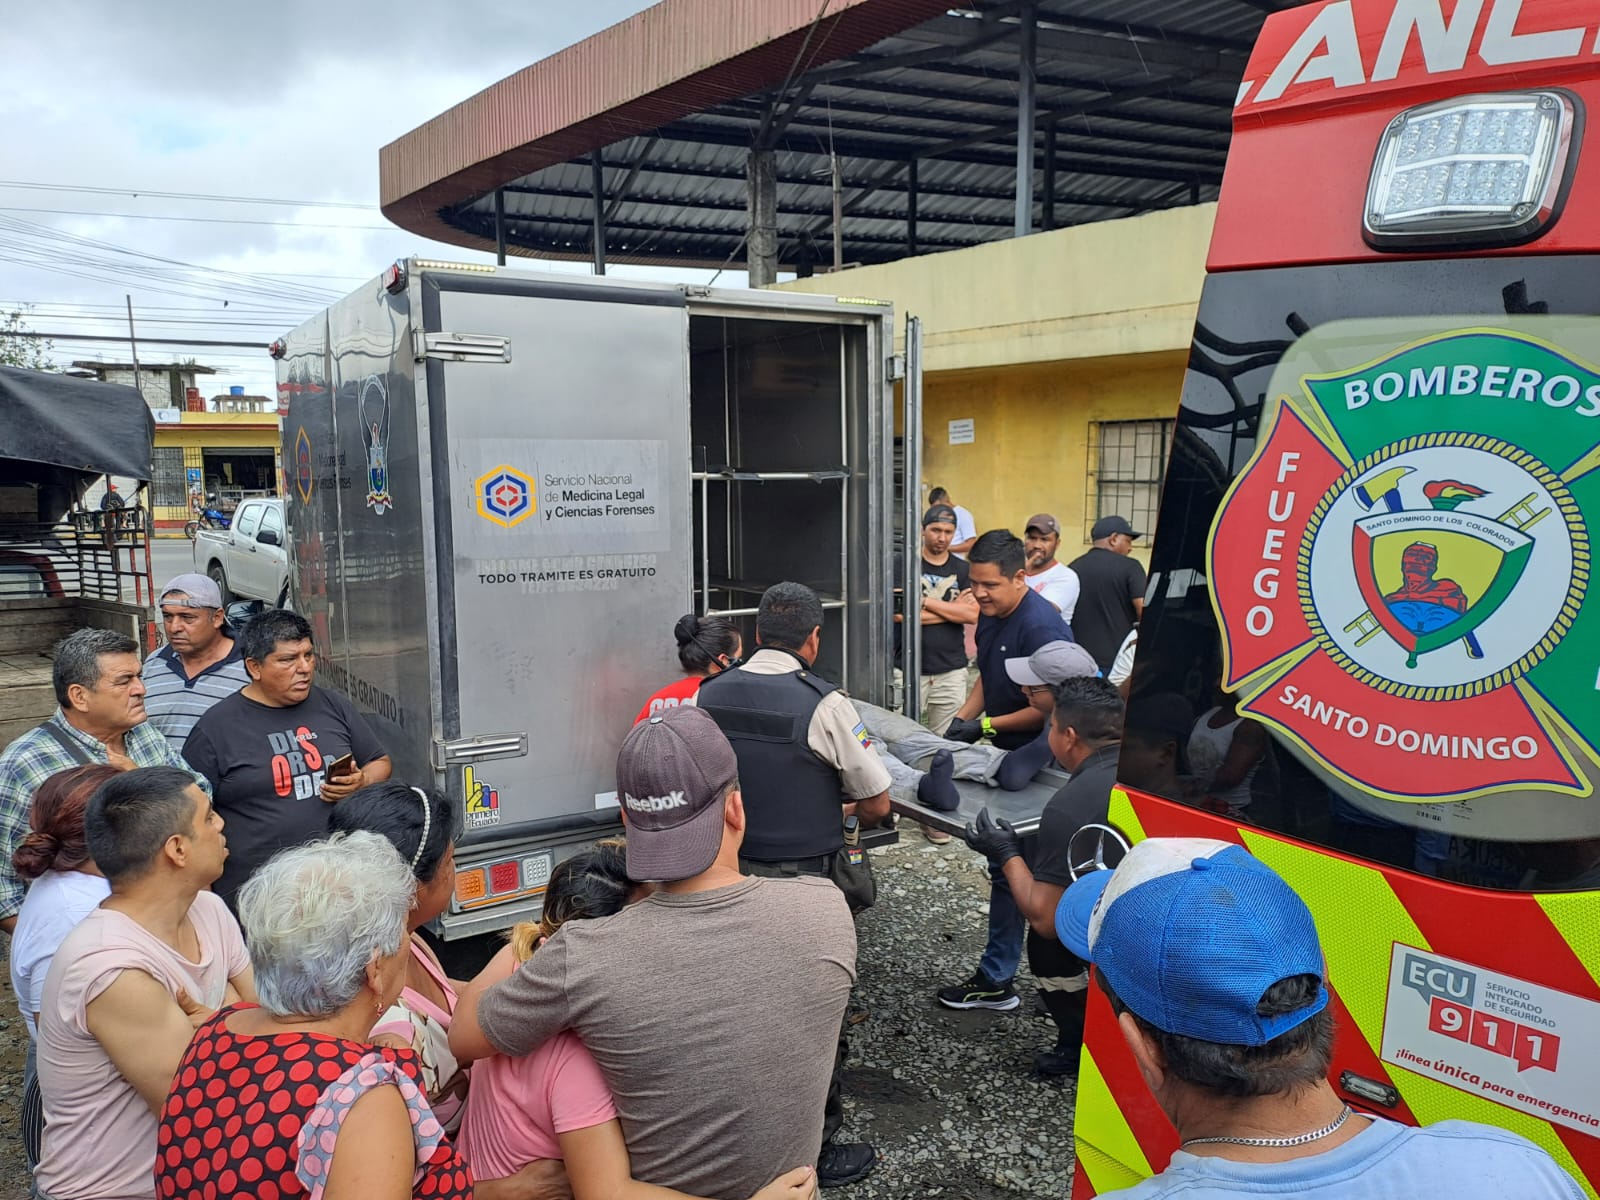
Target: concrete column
x=911 y=208
x=1049 y=221
x=1027 y=57
x=598 y=187
x=500 y=226
x=761 y=206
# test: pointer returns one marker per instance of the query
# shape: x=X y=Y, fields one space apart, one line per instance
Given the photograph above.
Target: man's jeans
x=905 y=748
x=1003 y=951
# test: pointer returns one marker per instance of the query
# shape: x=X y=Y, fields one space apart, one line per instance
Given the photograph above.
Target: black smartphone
x=342 y=765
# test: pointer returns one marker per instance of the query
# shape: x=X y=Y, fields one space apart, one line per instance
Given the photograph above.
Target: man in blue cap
x=1212 y=965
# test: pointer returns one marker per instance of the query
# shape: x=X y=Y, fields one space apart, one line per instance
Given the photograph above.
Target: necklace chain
x=1279 y=1142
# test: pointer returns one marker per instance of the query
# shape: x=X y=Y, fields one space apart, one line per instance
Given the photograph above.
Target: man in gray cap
x=1040 y=675
x=1085 y=736
x=198 y=666
x=716 y=976
x=1111 y=589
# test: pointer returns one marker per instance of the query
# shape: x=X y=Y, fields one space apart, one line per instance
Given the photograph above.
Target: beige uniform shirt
x=835 y=735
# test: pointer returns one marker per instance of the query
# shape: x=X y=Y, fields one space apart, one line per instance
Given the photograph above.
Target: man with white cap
x=713 y=1006
x=199 y=665
x=1213 y=967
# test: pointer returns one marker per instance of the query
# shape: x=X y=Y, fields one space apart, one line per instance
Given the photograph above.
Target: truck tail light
x=1487 y=169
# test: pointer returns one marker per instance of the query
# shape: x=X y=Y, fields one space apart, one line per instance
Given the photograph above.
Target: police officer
x=804 y=762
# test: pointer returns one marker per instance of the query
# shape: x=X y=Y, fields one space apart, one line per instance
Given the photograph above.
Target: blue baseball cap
x=1190 y=933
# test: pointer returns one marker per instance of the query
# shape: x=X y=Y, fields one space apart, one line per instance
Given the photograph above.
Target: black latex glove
x=993 y=839
x=964 y=731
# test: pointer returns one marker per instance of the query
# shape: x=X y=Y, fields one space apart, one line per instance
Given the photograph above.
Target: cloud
x=289 y=100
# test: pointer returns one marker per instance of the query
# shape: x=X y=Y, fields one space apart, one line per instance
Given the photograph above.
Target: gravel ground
x=949 y=1098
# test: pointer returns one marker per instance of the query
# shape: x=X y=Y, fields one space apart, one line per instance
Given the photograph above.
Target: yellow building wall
x=1032 y=429
x=1036 y=340
x=200 y=432
x=1107 y=290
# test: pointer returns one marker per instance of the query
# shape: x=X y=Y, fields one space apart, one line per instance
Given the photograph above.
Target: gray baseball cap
x=1050 y=664
x=197 y=591
x=672 y=772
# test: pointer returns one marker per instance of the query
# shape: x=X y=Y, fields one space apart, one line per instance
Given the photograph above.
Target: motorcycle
x=211 y=517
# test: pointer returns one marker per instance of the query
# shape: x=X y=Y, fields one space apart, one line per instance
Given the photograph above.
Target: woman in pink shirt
x=421 y=826
x=706 y=646
x=554 y=1103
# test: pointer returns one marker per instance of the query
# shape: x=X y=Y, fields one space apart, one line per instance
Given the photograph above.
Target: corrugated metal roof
x=1133 y=99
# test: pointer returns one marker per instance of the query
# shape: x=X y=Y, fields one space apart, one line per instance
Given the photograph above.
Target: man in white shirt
x=1056 y=582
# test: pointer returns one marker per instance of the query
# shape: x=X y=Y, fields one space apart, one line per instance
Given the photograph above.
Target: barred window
x=169 y=486
x=1131 y=464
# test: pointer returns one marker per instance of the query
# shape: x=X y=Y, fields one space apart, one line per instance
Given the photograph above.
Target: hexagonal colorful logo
x=505 y=496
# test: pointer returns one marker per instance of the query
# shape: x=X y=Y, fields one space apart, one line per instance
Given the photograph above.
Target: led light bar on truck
x=1486 y=169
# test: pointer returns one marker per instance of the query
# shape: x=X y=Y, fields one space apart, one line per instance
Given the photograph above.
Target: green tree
x=18 y=348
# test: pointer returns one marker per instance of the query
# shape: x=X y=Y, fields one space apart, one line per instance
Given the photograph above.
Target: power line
x=201 y=220
x=138 y=193
x=143 y=341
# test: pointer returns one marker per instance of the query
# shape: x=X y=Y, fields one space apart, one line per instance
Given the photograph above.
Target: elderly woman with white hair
x=291 y=1098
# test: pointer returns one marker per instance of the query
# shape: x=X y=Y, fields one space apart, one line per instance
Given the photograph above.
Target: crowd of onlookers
x=216 y=893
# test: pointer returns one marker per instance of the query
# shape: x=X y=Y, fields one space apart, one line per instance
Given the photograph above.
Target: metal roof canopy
x=1129 y=102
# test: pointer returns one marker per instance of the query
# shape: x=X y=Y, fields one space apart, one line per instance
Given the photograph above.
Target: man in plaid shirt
x=101 y=720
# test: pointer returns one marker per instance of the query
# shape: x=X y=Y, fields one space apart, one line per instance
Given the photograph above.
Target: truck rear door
x=562 y=483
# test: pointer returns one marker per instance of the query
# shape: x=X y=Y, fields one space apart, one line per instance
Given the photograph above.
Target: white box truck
x=504 y=488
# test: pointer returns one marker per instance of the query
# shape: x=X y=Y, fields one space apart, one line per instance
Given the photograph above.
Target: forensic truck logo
x=374 y=408
x=504 y=496
x=304 y=474
x=1401 y=570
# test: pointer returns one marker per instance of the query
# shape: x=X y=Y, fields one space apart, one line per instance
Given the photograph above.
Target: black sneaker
x=1058 y=1063
x=843 y=1163
x=980 y=992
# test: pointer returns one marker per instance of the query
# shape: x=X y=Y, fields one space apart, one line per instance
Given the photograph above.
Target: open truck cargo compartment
x=504 y=489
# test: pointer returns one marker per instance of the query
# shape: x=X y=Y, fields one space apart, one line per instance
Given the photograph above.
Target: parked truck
x=504 y=488
x=249 y=560
x=66 y=564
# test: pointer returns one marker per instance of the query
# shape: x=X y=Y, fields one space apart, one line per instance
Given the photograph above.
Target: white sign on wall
x=1517 y=1043
x=962 y=432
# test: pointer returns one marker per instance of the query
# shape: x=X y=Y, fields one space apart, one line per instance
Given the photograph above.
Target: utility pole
x=133 y=344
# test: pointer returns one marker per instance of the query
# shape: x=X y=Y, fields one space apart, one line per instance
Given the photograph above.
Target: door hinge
x=895 y=369
x=460 y=347
x=460 y=751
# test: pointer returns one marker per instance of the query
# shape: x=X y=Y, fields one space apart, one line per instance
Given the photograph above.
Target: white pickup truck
x=250 y=559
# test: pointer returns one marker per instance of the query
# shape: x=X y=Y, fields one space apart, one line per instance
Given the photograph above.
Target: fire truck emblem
x=1401 y=570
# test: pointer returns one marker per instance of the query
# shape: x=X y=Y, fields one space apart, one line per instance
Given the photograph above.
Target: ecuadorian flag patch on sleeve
x=861 y=735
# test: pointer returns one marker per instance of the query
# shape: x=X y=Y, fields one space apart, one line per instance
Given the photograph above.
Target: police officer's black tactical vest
x=791 y=797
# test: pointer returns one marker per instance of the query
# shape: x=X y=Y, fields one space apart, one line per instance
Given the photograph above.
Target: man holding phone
x=280 y=751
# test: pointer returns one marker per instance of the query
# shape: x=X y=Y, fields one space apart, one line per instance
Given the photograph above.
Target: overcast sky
x=288 y=100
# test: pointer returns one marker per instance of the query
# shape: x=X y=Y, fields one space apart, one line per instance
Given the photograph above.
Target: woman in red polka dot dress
x=291 y=1098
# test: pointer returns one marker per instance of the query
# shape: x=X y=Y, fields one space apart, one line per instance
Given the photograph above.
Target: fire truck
x=1374 y=544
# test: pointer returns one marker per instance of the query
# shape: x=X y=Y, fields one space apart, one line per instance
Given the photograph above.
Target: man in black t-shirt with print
x=269 y=750
x=948 y=608
x=1085 y=736
x=1111 y=590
